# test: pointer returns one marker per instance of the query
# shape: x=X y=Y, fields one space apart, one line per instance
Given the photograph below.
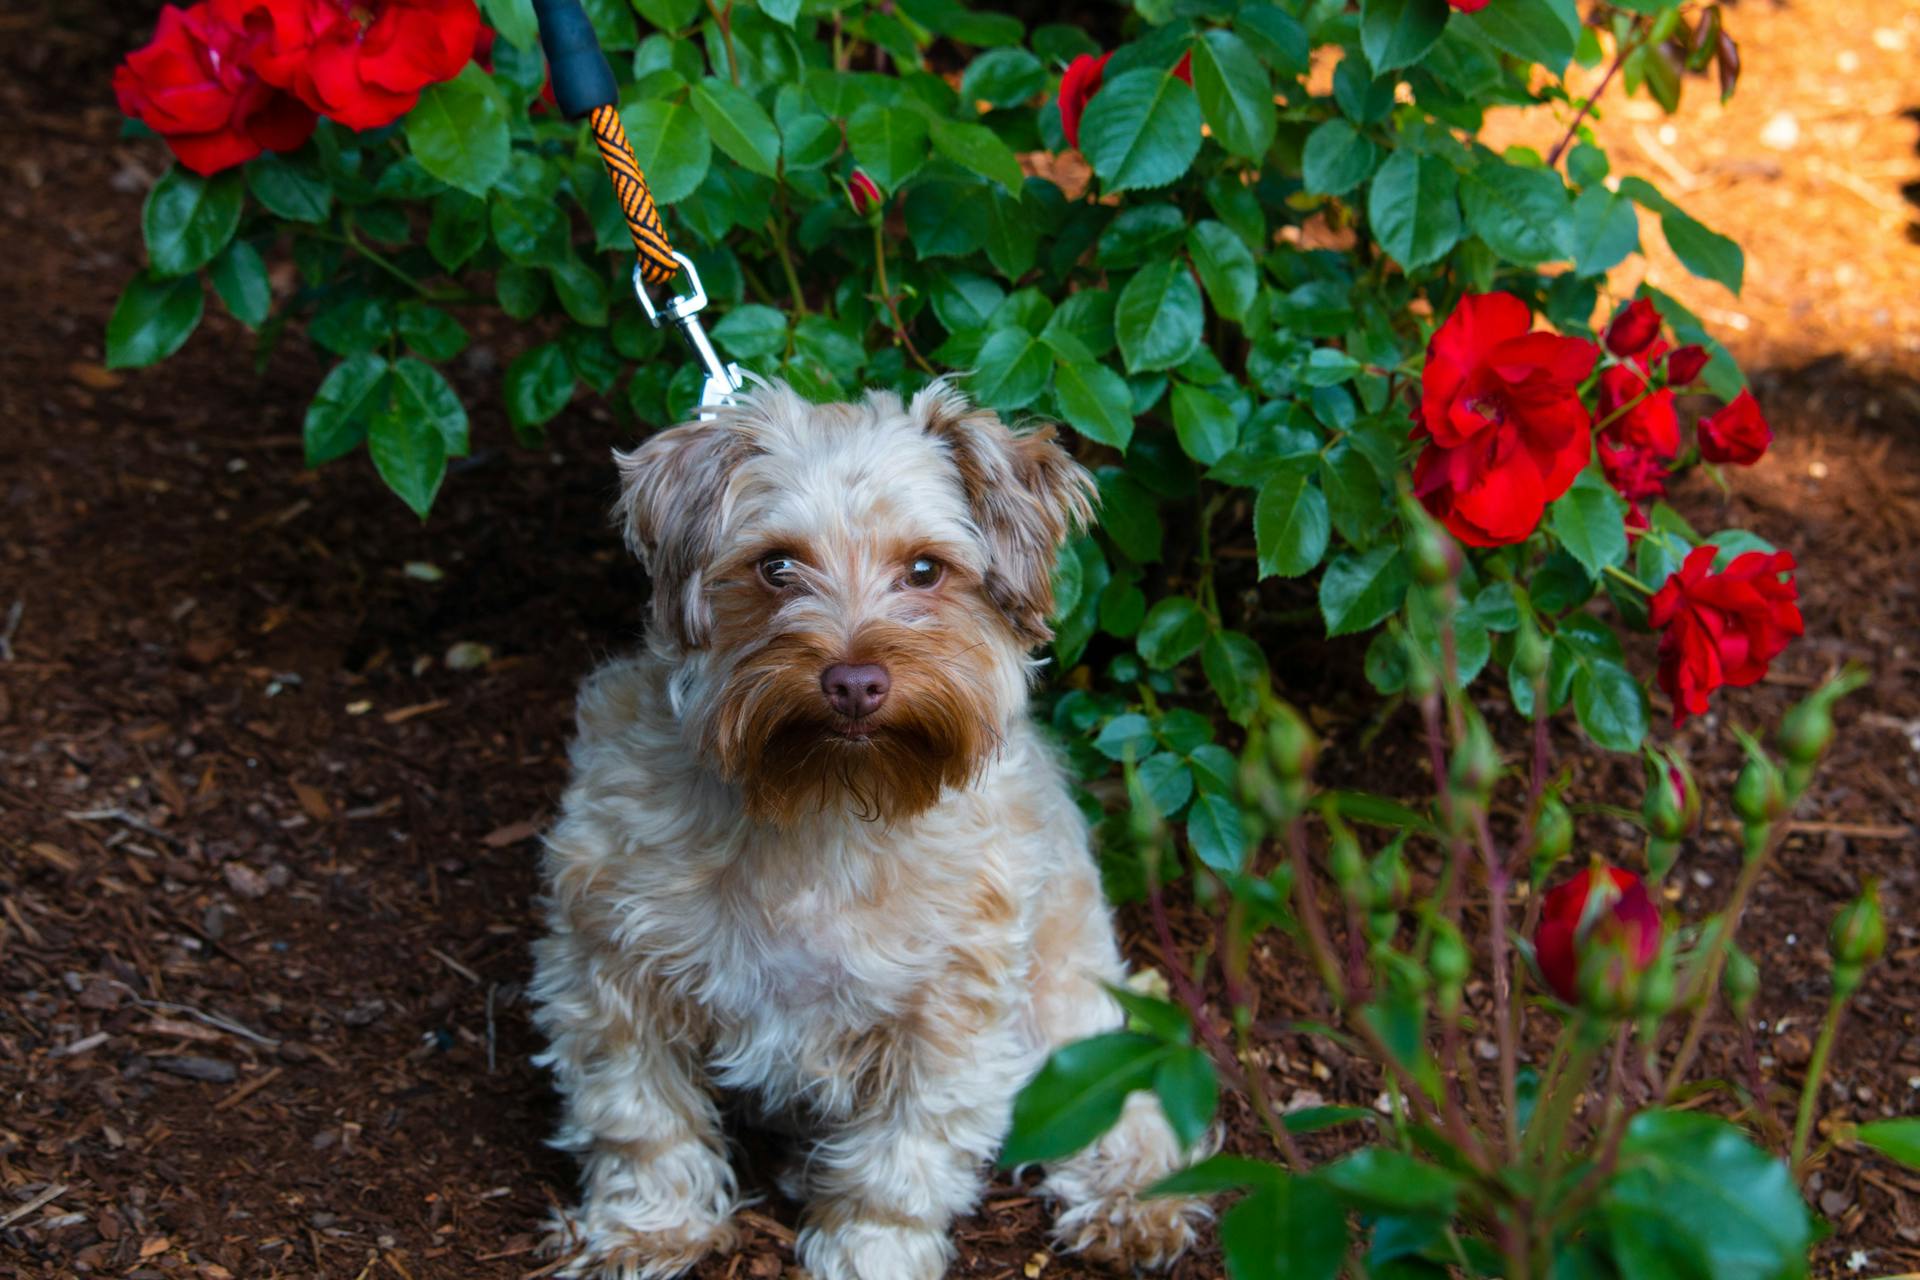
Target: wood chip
x=512 y=833
x=248 y=1089
x=45 y=1197
x=400 y=715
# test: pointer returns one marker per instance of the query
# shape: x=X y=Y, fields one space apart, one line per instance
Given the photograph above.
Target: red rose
x=483 y=38
x=1636 y=473
x=1601 y=908
x=278 y=34
x=1632 y=415
x=1183 y=69
x=1505 y=430
x=1722 y=628
x=1686 y=364
x=1081 y=82
x=1736 y=434
x=190 y=85
x=864 y=193
x=1634 y=329
x=1469 y=6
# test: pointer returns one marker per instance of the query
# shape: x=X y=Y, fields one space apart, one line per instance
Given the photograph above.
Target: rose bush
x=1336 y=362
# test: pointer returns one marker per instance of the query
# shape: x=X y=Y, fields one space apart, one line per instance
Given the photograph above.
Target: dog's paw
x=599 y=1244
x=863 y=1249
x=1122 y=1228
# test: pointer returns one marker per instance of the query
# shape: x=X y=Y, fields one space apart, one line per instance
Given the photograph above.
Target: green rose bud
x=1740 y=982
x=1807 y=730
x=1759 y=798
x=1291 y=745
x=1857 y=939
x=1349 y=867
x=1448 y=958
x=1530 y=652
x=1552 y=838
x=1476 y=762
x=1436 y=560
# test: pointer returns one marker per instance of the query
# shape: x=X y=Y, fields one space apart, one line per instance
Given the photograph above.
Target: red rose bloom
x=191 y=85
x=1686 y=364
x=1634 y=329
x=1632 y=416
x=1469 y=6
x=1601 y=907
x=361 y=65
x=1505 y=430
x=1636 y=473
x=863 y=192
x=1736 y=434
x=1722 y=628
x=1080 y=83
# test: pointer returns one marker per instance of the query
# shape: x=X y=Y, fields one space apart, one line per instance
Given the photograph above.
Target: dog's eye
x=924 y=572
x=777 y=569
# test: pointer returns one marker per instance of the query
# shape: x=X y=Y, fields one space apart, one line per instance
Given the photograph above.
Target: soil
x=267 y=815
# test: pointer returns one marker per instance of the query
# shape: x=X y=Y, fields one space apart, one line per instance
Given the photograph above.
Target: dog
x=815 y=856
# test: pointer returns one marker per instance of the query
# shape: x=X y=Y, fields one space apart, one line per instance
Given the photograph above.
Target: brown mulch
x=265 y=854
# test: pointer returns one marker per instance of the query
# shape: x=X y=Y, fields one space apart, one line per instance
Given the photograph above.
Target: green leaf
x=976 y=147
x=582 y=292
x=1604 y=231
x=1141 y=130
x=458 y=229
x=1522 y=214
x=1291 y=525
x=406 y=435
x=1011 y=371
x=1125 y=736
x=531 y=233
x=738 y=125
x=1084 y=322
x=1166 y=781
x=187 y=219
x=1705 y=253
x=431 y=332
x=1237 y=669
x=514 y=20
x=1381 y=1178
x=1610 y=703
x=1205 y=423
x=1227 y=269
x=1895 y=1139
x=1542 y=31
x=1189 y=1092
x=1415 y=209
x=672 y=144
x=539 y=383
x=153 y=319
x=458 y=133
x=1292 y=1228
x=1696 y=1178
x=240 y=278
x=289 y=188
x=1215 y=831
x=1217 y=1175
x=1590 y=521
x=752 y=331
x=427 y=394
x=1397 y=33
x=1002 y=78
x=1336 y=159
x=1095 y=402
x=1078 y=1095
x=336 y=421
x=1359 y=591
x=1129 y=516
x=1159 y=317
x=1235 y=92
x=1174 y=628
x=890 y=143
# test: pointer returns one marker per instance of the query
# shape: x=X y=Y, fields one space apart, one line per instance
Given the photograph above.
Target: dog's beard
x=791 y=756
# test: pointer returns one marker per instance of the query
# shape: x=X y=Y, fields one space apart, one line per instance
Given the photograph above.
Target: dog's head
x=849 y=592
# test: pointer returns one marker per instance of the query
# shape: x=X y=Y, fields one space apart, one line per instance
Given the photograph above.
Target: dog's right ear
x=674 y=498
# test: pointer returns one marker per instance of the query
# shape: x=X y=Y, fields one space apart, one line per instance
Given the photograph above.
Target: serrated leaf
x=1235 y=92
x=1360 y=591
x=1204 y=423
x=1542 y=31
x=1236 y=667
x=1398 y=33
x=458 y=133
x=1521 y=213
x=738 y=125
x=1337 y=158
x=240 y=278
x=1291 y=525
x=336 y=420
x=1414 y=207
x=978 y=148
x=1159 y=317
x=1216 y=833
x=890 y=143
x=1095 y=402
x=153 y=319
x=187 y=219
x=1590 y=521
x=1173 y=630
x=1227 y=269
x=538 y=385
x=672 y=144
x=1141 y=130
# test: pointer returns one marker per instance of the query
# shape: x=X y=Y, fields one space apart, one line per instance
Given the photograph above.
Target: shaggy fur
x=877 y=929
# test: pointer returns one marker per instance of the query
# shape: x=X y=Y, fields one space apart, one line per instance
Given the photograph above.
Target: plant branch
x=1587 y=103
x=1816 y=1073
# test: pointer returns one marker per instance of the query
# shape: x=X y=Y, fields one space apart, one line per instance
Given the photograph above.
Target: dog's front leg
x=885 y=1187
x=657 y=1193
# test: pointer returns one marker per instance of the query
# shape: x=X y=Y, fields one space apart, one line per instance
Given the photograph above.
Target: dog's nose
x=855 y=692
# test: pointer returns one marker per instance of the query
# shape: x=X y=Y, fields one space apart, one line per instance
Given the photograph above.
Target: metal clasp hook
x=683 y=309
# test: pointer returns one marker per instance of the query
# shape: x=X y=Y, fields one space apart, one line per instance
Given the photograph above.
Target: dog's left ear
x=1026 y=495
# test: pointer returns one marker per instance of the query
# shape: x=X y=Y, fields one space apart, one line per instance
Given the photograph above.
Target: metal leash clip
x=683 y=310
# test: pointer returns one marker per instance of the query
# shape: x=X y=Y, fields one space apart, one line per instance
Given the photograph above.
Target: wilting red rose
x=1634 y=329
x=191 y=86
x=1736 y=434
x=1722 y=628
x=864 y=193
x=1602 y=907
x=1632 y=415
x=1080 y=83
x=360 y=64
x=1686 y=364
x=1505 y=430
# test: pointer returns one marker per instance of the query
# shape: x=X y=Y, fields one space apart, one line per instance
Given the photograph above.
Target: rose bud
x=1807 y=730
x=1291 y=745
x=1686 y=364
x=1758 y=796
x=1740 y=982
x=1529 y=648
x=1672 y=805
x=1448 y=960
x=1476 y=762
x=1736 y=434
x=1598 y=932
x=1348 y=865
x=1633 y=329
x=1858 y=938
x=864 y=193
x=1436 y=557
x=1552 y=837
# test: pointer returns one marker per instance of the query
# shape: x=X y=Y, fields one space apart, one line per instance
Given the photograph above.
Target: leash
x=584 y=87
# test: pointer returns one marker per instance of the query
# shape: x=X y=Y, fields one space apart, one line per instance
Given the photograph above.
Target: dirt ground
x=266 y=841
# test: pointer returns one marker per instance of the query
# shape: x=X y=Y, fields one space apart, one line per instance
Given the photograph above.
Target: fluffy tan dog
x=815 y=855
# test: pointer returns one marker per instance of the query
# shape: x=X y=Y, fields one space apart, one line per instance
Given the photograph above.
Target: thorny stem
x=777 y=232
x=1816 y=1073
x=1587 y=104
x=886 y=298
x=1704 y=975
x=723 y=17
x=1233 y=968
x=1307 y=904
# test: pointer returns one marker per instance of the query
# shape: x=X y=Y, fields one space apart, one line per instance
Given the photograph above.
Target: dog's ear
x=674 y=496
x=1026 y=495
